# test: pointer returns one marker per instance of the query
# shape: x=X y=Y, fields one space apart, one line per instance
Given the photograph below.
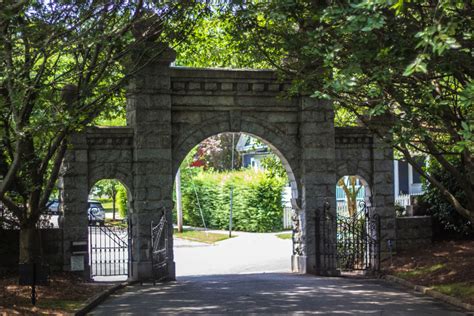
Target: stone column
x=74 y=190
x=149 y=113
x=317 y=140
x=382 y=194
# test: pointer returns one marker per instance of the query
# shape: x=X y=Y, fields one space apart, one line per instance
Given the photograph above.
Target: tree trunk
x=113 y=205
x=29 y=244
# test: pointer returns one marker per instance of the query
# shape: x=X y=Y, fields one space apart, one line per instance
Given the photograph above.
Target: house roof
x=248 y=144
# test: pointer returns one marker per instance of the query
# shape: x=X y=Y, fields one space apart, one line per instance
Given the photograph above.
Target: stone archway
x=171 y=109
x=287 y=151
x=202 y=132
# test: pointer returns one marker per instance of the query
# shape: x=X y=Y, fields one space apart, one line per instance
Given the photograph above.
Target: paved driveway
x=227 y=278
x=271 y=293
x=246 y=253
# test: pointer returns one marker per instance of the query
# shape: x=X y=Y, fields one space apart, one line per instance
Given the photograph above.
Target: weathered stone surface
x=412 y=232
x=170 y=110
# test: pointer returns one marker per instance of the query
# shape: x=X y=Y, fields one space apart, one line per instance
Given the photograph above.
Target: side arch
x=99 y=171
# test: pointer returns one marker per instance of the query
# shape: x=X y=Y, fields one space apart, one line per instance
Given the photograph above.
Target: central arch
x=197 y=136
x=285 y=148
x=283 y=145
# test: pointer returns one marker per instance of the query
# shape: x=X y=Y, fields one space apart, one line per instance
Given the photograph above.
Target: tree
x=404 y=69
x=447 y=223
x=109 y=188
x=351 y=190
x=274 y=167
x=210 y=44
x=216 y=152
x=62 y=63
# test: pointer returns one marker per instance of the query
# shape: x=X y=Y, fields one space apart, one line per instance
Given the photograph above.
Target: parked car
x=96 y=213
x=53 y=207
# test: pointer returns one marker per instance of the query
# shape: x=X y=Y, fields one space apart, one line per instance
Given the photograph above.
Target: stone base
x=171 y=271
x=84 y=274
x=330 y=272
x=298 y=264
x=142 y=271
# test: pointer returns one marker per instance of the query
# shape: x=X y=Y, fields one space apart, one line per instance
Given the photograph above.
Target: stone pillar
x=149 y=113
x=382 y=194
x=317 y=140
x=74 y=193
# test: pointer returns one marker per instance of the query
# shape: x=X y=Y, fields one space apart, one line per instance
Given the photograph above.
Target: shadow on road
x=271 y=293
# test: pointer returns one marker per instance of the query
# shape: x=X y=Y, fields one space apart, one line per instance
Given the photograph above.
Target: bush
x=447 y=222
x=122 y=203
x=256 y=200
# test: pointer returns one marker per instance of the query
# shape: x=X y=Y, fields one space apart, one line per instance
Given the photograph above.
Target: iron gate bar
x=109 y=252
x=159 y=249
x=130 y=245
x=357 y=240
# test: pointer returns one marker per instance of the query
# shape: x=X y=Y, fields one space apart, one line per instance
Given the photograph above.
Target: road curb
x=429 y=291
x=100 y=297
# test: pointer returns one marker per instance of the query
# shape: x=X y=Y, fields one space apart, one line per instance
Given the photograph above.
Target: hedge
x=257 y=205
x=122 y=203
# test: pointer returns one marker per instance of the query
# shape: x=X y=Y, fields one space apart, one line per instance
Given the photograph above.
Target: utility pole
x=231 y=189
x=179 y=204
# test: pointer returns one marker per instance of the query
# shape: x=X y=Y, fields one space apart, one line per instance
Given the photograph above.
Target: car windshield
x=95 y=205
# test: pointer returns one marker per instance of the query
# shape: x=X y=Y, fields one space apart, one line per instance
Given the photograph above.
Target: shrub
x=256 y=200
x=122 y=203
x=446 y=221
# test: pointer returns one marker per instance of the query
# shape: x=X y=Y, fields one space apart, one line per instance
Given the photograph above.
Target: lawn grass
x=201 y=236
x=445 y=266
x=462 y=290
x=107 y=206
x=284 y=235
x=420 y=272
x=116 y=223
x=58 y=304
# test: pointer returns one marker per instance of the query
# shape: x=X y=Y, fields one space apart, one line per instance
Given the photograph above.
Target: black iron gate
x=352 y=242
x=109 y=251
x=159 y=249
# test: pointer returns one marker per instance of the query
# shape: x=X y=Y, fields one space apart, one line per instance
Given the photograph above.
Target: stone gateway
x=172 y=109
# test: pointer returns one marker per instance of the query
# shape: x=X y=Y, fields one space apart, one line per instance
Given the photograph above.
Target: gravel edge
x=429 y=291
x=100 y=297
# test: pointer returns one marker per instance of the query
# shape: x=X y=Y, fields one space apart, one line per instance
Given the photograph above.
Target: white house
x=407 y=181
x=252 y=151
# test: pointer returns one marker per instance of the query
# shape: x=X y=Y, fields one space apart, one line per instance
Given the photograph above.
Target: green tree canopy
x=61 y=64
x=402 y=68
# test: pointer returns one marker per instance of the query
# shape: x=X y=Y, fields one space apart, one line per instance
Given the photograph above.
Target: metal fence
x=403 y=200
x=109 y=251
x=287 y=213
x=350 y=242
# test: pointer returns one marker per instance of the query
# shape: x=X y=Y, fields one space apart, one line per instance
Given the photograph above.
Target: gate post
x=149 y=114
x=317 y=137
x=382 y=195
x=74 y=189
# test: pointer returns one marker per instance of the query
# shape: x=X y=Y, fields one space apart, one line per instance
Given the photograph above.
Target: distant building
x=252 y=151
x=407 y=181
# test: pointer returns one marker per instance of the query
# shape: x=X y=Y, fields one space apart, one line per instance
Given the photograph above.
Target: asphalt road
x=246 y=253
x=271 y=293
x=249 y=275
